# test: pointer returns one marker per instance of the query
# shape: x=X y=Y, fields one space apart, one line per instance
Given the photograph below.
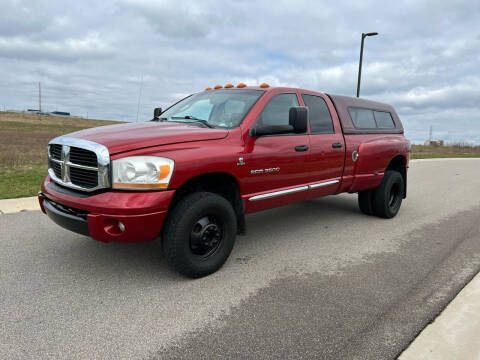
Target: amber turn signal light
x=141 y=186
x=164 y=170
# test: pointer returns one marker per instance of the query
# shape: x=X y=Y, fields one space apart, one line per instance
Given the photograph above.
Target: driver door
x=275 y=164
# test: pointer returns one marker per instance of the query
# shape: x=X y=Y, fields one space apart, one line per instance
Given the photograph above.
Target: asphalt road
x=311 y=280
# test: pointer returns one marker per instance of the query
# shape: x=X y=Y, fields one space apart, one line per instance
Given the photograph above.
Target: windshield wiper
x=195 y=119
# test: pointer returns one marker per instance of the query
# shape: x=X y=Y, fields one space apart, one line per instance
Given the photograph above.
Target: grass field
x=24 y=139
x=451 y=151
x=23 y=154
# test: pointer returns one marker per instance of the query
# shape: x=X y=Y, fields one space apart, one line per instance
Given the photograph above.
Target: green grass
x=451 y=151
x=434 y=155
x=23 y=150
x=21 y=181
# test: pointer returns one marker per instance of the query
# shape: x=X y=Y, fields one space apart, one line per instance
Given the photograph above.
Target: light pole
x=361 y=58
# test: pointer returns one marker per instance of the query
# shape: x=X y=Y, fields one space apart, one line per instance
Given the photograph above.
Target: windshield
x=215 y=108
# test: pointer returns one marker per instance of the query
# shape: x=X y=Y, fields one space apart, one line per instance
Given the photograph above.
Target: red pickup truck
x=191 y=174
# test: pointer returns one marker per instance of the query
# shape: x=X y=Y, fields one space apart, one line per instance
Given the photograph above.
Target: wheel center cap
x=210 y=235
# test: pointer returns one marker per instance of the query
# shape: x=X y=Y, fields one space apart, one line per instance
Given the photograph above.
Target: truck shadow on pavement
x=146 y=259
x=303 y=214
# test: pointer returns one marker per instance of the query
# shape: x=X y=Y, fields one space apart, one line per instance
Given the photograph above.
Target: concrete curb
x=15 y=205
x=455 y=332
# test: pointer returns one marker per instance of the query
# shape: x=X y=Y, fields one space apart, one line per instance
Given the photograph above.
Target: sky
x=91 y=56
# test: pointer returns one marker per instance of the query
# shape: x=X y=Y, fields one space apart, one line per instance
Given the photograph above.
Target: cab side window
x=318 y=114
x=276 y=112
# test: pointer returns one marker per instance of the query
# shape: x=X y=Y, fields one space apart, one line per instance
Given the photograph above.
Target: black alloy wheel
x=199 y=233
x=206 y=236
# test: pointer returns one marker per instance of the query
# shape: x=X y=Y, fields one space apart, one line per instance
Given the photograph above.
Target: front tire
x=387 y=198
x=199 y=234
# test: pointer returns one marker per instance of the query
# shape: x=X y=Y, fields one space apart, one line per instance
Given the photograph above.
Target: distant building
x=60 y=113
x=434 y=143
x=35 y=111
x=53 y=113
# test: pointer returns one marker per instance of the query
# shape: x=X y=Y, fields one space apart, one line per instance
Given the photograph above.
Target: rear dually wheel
x=387 y=198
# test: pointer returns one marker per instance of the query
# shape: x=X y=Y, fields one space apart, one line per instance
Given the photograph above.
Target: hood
x=124 y=137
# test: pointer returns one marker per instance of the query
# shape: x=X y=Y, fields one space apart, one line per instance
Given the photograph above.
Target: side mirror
x=298 y=119
x=262 y=130
x=156 y=113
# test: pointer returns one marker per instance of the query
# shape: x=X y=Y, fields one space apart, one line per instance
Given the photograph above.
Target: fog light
x=114 y=227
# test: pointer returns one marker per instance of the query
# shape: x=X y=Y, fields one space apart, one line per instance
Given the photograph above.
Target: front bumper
x=75 y=222
x=118 y=216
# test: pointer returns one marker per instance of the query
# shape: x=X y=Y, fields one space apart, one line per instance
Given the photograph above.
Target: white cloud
x=90 y=55
x=91 y=46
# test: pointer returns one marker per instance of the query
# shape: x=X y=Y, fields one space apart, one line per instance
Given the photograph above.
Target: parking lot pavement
x=314 y=279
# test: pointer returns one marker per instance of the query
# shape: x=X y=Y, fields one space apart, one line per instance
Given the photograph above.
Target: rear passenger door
x=327 y=147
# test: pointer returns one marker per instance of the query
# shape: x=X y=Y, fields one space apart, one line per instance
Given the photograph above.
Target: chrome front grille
x=56 y=151
x=78 y=164
x=85 y=178
x=83 y=157
x=57 y=168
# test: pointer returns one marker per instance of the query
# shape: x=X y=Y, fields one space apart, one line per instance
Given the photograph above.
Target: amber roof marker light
x=264 y=85
x=228 y=86
x=217 y=86
x=241 y=85
x=208 y=88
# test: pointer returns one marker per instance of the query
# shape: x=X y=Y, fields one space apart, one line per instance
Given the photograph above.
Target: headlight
x=142 y=172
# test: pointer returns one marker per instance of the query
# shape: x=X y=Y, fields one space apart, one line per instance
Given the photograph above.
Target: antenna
x=39 y=97
x=139 y=96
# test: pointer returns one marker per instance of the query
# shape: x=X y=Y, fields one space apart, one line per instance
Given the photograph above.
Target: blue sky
x=90 y=55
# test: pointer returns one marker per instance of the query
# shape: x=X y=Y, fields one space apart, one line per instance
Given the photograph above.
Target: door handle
x=337 y=145
x=301 y=148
